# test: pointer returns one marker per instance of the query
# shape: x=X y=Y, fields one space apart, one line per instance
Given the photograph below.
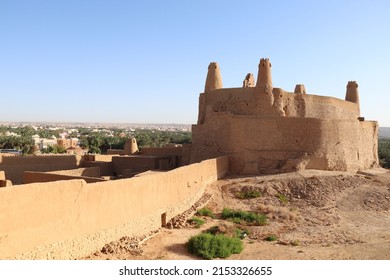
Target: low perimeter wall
x=30 y=177
x=71 y=219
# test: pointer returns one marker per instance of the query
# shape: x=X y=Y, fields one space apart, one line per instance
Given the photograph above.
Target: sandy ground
x=326 y=215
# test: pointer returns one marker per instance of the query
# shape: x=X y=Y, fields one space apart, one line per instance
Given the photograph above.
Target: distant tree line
x=99 y=142
x=22 y=143
x=95 y=141
x=384 y=152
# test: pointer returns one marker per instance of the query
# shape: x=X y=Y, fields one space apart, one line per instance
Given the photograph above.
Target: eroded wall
x=70 y=219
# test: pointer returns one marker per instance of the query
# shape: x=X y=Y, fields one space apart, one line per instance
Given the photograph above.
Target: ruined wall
x=275 y=144
x=70 y=219
x=15 y=166
x=40 y=177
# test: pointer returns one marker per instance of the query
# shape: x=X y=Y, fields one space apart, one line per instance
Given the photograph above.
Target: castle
x=68 y=206
x=264 y=129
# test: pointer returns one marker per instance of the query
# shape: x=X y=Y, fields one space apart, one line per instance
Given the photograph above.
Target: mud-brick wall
x=277 y=144
x=14 y=166
x=70 y=219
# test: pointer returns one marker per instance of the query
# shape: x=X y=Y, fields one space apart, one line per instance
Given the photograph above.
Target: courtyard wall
x=71 y=219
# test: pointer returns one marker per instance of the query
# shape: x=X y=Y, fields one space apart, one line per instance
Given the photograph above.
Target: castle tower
x=214 y=79
x=352 y=94
x=300 y=89
x=264 y=78
x=264 y=87
x=131 y=146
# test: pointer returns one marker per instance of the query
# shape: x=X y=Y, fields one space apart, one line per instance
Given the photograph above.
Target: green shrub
x=210 y=246
x=295 y=243
x=282 y=198
x=271 y=238
x=246 y=194
x=197 y=221
x=206 y=212
x=239 y=217
x=241 y=233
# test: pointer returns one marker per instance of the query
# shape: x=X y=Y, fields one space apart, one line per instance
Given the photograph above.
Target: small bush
x=210 y=246
x=241 y=233
x=205 y=212
x=271 y=238
x=239 y=217
x=246 y=194
x=295 y=243
x=282 y=198
x=197 y=221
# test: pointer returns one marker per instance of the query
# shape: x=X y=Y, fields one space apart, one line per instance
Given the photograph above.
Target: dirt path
x=314 y=214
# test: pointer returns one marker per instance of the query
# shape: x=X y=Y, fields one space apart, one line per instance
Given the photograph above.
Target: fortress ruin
x=265 y=129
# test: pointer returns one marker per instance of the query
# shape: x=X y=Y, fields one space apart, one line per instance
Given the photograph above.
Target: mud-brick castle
x=265 y=129
x=68 y=206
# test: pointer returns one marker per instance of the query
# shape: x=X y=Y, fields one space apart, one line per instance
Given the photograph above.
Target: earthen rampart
x=70 y=219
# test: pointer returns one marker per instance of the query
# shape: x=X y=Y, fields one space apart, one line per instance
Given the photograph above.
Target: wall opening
x=163 y=219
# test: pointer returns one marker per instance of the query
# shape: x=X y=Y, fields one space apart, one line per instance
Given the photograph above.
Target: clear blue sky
x=146 y=61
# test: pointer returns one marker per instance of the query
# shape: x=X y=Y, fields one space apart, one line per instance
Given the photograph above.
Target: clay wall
x=105 y=168
x=36 y=177
x=136 y=163
x=245 y=101
x=14 y=166
x=175 y=154
x=164 y=151
x=85 y=171
x=96 y=157
x=71 y=219
x=115 y=152
x=277 y=144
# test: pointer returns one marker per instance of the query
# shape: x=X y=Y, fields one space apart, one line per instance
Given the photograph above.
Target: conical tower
x=214 y=79
x=300 y=88
x=131 y=147
x=352 y=94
